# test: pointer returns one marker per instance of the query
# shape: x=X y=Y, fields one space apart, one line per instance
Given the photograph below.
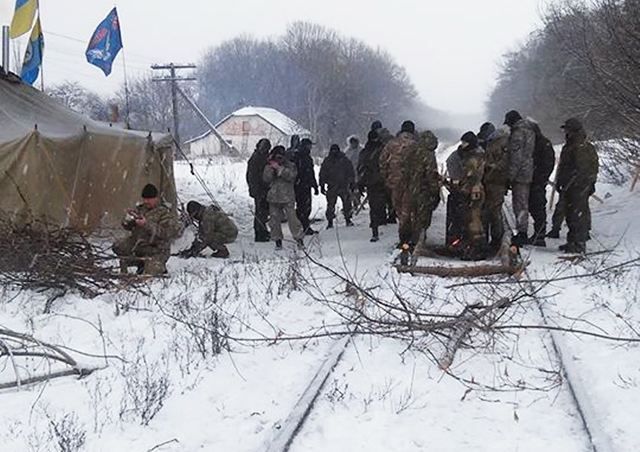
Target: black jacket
x=306 y=172
x=258 y=189
x=337 y=171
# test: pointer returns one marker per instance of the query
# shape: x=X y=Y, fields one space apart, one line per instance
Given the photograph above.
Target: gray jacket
x=522 y=143
x=281 y=182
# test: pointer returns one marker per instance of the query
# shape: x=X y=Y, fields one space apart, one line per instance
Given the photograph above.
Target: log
x=471 y=271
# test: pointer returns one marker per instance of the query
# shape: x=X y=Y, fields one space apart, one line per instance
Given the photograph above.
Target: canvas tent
x=66 y=169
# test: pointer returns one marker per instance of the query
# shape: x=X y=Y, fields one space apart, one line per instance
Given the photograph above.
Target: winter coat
x=455 y=166
x=424 y=179
x=281 y=182
x=337 y=171
x=255 y=168
x=497 y=159
x=215 y=227
x=544 y=159
x=353 y=154
x=306 y=178
x=161 y=228
x=579 y=165
x=521 y=145
x=369 y=165
x=393 y=159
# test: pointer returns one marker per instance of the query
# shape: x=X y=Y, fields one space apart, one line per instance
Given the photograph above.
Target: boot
x=538 y=240
x=329 y=224
x=310 y=231
x=375 y=235
x=349 y=223
x=278 y=244
x=554 y=234
x=221 y=252
x=520 y=239
x=574 y=248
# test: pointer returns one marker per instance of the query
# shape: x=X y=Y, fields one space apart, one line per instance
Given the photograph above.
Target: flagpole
x=126 y=88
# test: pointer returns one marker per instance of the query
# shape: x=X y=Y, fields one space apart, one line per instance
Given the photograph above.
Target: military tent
x=63 y=168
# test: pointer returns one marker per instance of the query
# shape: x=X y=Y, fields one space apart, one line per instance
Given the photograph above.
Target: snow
x=279 y=120
x=381 y=396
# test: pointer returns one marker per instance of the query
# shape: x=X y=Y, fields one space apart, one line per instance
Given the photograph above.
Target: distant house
x=244 y=128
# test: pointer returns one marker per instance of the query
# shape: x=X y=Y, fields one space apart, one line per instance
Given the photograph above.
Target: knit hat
x=375 y=125
x=373 y=135
x=149 y=191
x=573 y=124
x=486 y=130
x=334 y=148
x=408 y=126
x=193 y=207
x=512 y=117
x=471 y=139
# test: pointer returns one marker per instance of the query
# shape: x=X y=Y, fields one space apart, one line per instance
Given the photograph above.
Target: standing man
x=495 y=185
x=215 y=230
x=295 y=144
x=305 y=182
x=353 y=154
x=577 y=176
x=424 y=185
x=393 y=166
x=337 y=172
x=544 y=160
x=521 y=145
x=152 y=226
x=371 y=181
x=258 y=190
x=280 y=174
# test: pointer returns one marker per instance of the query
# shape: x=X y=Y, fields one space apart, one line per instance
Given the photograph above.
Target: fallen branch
x=471 y=271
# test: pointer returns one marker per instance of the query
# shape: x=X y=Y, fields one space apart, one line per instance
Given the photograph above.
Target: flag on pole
x=23 y=17
x=33 y=56
x=105 y=43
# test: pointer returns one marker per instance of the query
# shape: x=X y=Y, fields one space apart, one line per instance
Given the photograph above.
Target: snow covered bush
x=67 y=434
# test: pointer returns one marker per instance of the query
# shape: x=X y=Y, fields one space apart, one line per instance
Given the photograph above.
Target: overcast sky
x=451 y=48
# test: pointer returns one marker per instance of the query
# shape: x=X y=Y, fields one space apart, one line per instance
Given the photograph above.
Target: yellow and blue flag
x=105 y=43
x=23 y=17
x=33 y=56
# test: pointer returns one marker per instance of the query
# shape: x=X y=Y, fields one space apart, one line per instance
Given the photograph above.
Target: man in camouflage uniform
x=424 y=185
x=153 y=226
x=577 y=176
x=520 y=172
x=280 y=175
x=258 y=190
x=394 y=171
x=495 y=185
x=337 y=173
x=305 y=182
x=474 y=246
x=215 y=230
x=384 y=136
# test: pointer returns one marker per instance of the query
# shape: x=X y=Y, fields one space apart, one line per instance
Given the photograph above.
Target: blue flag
x=33 y=55
x=105 y=43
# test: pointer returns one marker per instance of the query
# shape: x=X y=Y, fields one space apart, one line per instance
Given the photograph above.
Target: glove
x=323 y=189
x=315 y=191
x=361 y=187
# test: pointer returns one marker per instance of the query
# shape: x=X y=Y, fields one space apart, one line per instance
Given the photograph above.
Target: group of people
x=398 y=176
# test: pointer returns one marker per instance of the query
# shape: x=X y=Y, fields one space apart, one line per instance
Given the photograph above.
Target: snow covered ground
x=505 y=396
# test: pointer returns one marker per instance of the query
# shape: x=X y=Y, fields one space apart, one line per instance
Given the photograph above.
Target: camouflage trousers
x=280 y=212
x=494 y=220
x=520 y=197
x=455 y=217
x=333 y=193
x=403 y=207
x=132 y=253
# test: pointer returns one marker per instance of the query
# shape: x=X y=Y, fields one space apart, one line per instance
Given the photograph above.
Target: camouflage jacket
x=422 y=168
x=255 y=167
x=337 y=171
x=497 y=159
x=473 y=167
x=281 y=182
x=216 y=225
x=521 y=145
x=393 y=158
x=161 y=228
x=579 y=165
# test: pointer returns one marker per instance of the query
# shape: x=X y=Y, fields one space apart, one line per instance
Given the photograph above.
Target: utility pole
x=5 y=48
x=174 y=79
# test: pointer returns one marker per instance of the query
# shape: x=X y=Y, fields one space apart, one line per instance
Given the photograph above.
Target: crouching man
x=215 y=230
x=153 y=226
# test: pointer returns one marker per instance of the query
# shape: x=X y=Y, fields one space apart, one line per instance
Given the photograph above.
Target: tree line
x=331 y=84
x=583 y=62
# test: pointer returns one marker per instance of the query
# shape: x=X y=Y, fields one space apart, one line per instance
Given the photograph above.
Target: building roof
x=278 y=120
